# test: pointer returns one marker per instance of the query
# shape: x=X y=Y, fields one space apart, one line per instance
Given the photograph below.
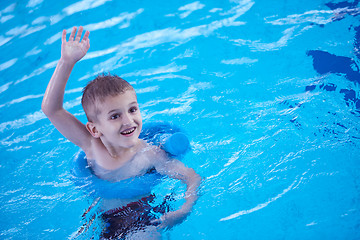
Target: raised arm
x=71 y=52
x=177 y=170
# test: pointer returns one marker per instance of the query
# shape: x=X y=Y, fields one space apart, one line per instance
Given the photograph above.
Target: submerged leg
x=149 y=233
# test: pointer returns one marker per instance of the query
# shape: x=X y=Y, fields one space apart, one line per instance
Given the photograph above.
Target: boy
x=110 y=138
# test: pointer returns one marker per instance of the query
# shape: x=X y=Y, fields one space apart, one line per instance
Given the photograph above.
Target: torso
x=136 y=163
x=114 y=170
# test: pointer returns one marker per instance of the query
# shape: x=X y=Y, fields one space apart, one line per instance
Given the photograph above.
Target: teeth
x=128 y=131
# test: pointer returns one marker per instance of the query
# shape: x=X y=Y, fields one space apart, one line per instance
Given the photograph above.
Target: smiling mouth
x=128 y=131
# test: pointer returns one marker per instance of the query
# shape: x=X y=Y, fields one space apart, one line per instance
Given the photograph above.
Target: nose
x=127 y=119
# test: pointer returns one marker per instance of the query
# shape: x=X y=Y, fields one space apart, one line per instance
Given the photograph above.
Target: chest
x=114 y=171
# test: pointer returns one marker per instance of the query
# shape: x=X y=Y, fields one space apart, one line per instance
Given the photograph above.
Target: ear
x=90 y=126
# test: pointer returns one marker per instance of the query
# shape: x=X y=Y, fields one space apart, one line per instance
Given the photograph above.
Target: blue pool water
x=268 y=92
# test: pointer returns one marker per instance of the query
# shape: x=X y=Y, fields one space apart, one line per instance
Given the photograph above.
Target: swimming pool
x=267 y=91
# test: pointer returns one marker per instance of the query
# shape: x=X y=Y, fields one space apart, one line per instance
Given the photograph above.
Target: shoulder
x=154 y=151
x=154 y=154
x=94 y=148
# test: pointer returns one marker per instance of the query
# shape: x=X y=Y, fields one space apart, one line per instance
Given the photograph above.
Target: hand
x=171 y=219
x=73 y=50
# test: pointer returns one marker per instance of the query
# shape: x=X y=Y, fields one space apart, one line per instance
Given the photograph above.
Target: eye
x=133 y=109
x=114 y=116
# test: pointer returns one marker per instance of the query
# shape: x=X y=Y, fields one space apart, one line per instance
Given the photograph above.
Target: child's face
x=119 y=122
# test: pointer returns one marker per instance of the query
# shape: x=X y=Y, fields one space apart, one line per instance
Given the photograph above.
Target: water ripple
x=8 y=64
x=259 y=206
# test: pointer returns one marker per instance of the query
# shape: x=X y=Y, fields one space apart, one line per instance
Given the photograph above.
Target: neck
x=118 y=152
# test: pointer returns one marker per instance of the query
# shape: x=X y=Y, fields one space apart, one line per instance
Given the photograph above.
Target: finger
x=163 y=227
x=78 y=35
x=63 y=37
x=72 y=35
x=160 y=226
x=86 y=36
x=156 y=222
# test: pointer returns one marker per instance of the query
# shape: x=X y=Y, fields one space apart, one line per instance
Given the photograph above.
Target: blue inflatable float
x=167 y=136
